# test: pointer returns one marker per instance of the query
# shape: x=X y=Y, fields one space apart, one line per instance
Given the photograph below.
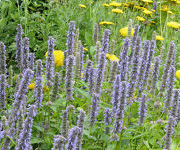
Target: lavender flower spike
x=98 y=47
x=155 y=75
x=70 y=39
x=135 y=68
x=148 y=65
x=107 y=119
x=3 y=69
x=26 y=53
x=2 y=91
x=26 y=80
x=116 y=93
x=123 y=61
x=50 y=62
x=59 y=142
x=80 y=124
x=134 y=42
x=25 y=135
x=31 y=61
x=94 y=109
x=96 y=33
x=121 y=108
x=176 y=95
x=178 y=109
x=105 y=41
x=92 y=80
x=19 y=46
x=143 y=62
x=69 y=78
x=171 y=80
x=100 y=73
x=88 y=67
x=14 y=114
x=169 y=131
x=167 y=67
x=55 y=87
x=38 y=91
x=72 y=137
x=39 y=68
x=64 y=128
x=142 y=109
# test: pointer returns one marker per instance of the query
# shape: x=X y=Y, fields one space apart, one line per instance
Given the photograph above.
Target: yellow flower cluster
x=159 y=38
x=147 y=12
x=112 y=57
x=85 y=49
x=106 y=23
x=58 y=57
x=106 y=5
x=82 y=6
x=118 y=11
x=174 y=25
x=124 y=31
x=147 y=1
x=115 y=4
x=178 y=74
x=140 y=18
x=32 y=86
x=176 y=1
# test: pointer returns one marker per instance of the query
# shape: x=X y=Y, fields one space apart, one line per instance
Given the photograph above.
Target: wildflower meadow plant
x=100 y=85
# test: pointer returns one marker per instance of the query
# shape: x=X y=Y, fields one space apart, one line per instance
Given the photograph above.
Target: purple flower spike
x=70 y=39
x=59 y=142
x=3 y=69
x=72 y=137
x=25 y=135
x=26 y=54
x=2 y=91
x=19 y=46
x=94 y=109
x=69 y=78
x=116 y=93
x=142 y=110
x=118 y=124
x=50 y=62
x=107 y=119
x=80 y=124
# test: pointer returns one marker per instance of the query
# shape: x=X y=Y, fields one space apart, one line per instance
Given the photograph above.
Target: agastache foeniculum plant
x=101 y=96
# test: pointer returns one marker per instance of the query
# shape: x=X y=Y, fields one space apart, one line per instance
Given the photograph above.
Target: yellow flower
x=124 y=31
x=159 y=38
x=147 y=12
x=138 y=7
x=118 y=11
x=112 y=57
x=147 y=1
x=58 y=57
x=169 y=12
x=140 y=18
x=45 y=88
x=178 y=74
x=82 y=6
x=116 y=4
x=82 y=75
x=106 y=5
x=106 y=23
x=31 y=86
x=175 y=25
x=85 y=49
